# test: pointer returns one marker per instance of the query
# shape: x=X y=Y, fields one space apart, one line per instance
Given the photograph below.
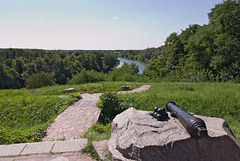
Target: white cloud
x=42 y=21
x=115 y=17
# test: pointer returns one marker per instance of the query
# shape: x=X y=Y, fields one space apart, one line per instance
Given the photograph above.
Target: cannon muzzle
x=195 y=126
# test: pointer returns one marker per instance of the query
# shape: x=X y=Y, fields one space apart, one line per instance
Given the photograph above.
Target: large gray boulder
x=137 y=136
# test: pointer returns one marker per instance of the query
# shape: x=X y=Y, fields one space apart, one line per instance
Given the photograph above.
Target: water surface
x=141 y=65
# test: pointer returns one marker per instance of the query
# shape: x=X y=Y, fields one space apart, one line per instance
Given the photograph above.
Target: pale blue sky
x=97 y=24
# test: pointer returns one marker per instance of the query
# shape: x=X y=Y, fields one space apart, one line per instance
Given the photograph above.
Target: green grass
x=24 y=117
x=85 y=88
x=97 y=132
x=209 y=99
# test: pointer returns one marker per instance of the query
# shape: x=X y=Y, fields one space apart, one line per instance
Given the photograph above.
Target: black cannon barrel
x=195 y=126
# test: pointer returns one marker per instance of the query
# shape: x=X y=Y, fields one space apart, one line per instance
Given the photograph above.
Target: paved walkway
x=75 y=120
x=140 y=89
x=53 y=157
x=78 y=118
x=41 y=148
x=68 y=126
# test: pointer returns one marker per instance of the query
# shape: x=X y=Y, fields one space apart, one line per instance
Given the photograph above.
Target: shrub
x=110 y=106
x=87 y=76
x=75 y=96
x=39 y=80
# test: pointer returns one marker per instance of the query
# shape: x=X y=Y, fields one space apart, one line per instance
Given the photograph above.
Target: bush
x=87 y=76
x=39 y=80
x=110 y=106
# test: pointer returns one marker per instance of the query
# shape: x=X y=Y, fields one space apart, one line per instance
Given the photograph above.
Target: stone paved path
x=140 y=89
x=71 y=124
x=35 y=149
x=75 y=120
x=53 y=157
x=79 y=117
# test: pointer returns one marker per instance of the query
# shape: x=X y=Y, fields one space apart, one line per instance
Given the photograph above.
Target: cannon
x=195 y=126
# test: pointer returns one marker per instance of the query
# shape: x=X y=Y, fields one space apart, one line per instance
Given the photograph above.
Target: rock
x=137 y=136
x=101 y=147
x=125 y=88
x=69 y=90
x=62 y=96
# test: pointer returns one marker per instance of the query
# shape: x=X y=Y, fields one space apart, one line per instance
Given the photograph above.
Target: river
x=141 y=65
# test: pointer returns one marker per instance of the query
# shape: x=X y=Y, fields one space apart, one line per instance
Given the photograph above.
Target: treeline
x=127 y=72
x=199 y=53
x=17 y=65
x=141 y=55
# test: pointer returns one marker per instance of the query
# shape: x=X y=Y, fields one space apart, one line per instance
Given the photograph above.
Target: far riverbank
x=141 y=65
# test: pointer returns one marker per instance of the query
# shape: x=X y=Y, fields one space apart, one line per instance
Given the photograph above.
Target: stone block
x=11 y=150
x=138 y=136
x=69 y=145
x=38 y=148
x=101 y=148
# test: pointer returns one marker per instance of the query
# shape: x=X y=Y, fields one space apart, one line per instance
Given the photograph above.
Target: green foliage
x=89 y=149
x=98 y=132
x=16 y=65
x=126 y=73
x=86 y=88
x=110 y=106
x=33 y=134
x=24 y=116
x=75 y=96
x=39 y=80
x=85 y=76
x=141 y=55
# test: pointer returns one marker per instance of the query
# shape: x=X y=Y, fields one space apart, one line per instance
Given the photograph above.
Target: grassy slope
x=209 y=99
x=25 y=114
x=24 y=117
x=86 y=88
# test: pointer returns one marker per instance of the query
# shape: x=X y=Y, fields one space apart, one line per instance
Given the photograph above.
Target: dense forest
x=199 y=53
x=17 y=65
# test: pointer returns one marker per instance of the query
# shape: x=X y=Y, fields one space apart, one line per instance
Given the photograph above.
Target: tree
x=39 y=80
x=225 y=22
